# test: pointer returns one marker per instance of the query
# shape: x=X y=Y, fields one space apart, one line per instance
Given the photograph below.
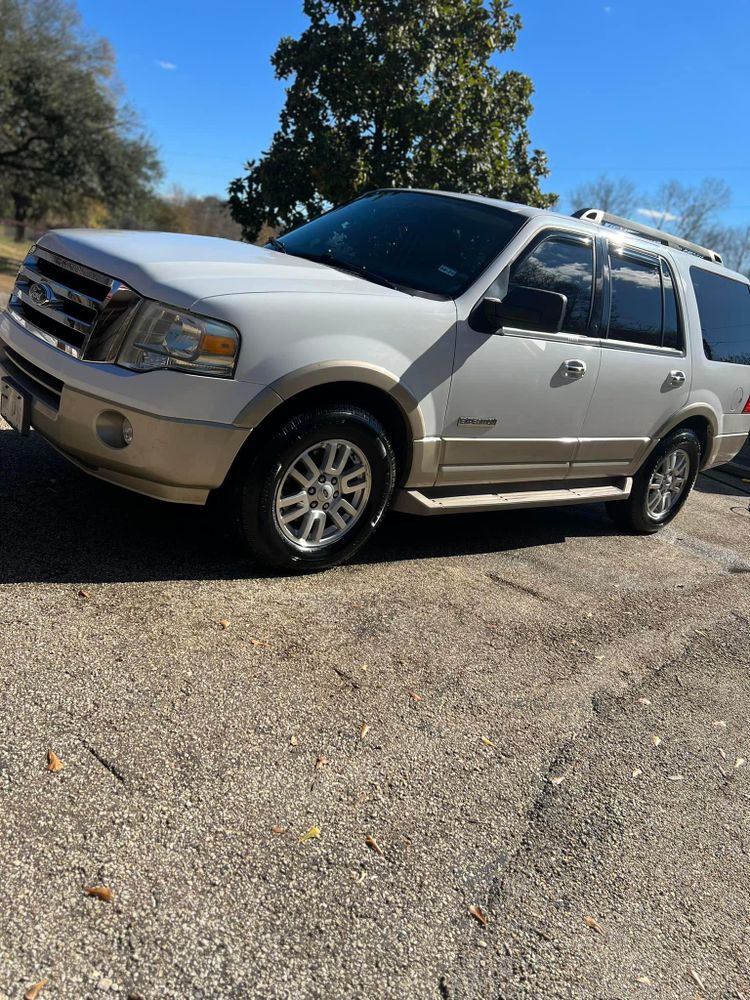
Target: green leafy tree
x=394 y=93
x=68 y=146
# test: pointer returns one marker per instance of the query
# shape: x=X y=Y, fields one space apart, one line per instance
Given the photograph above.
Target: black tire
x=256 y=484
x=633 y=513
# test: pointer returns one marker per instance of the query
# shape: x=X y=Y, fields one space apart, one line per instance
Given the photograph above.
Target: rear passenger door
x=644 y=376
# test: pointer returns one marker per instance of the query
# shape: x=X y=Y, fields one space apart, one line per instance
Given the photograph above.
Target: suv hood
x=181 y=270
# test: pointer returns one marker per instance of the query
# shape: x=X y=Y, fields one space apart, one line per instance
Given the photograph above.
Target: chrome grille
x=70 y=306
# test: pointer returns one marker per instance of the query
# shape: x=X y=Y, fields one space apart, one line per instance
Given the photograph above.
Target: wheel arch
x=368 y=387
x=699 y=418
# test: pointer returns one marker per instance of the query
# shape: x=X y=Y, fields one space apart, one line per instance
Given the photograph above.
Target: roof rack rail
x=647 y=232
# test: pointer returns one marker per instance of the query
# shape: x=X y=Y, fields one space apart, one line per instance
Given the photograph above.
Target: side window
x=635 y=312
x=643 y=308
x=560 y=264
x=724 y=310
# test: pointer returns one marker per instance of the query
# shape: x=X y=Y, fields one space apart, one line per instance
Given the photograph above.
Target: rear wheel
x=316 y=490
x=661 y=486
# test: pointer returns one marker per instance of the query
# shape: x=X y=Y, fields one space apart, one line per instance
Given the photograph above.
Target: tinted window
x=635 y=312
x=561 y=265
x=422 y=242
x=724 y=309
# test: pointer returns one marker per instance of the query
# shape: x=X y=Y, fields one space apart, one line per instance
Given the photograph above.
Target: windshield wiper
x=275 y=244
x=343 y=265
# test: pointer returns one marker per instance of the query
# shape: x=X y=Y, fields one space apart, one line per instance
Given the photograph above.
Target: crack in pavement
x=106 y=764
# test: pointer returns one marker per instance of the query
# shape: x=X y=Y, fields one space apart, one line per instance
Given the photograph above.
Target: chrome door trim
x=626 y=345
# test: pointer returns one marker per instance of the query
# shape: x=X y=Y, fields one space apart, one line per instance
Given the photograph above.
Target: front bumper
x=173 y=456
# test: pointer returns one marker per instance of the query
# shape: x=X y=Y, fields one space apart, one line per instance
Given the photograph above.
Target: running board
x=419 y=502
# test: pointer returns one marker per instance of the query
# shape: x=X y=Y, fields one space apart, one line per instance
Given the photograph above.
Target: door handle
x=677 y=377
x=574 y=369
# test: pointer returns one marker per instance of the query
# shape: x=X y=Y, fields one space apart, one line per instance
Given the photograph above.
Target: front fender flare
x=325 y=373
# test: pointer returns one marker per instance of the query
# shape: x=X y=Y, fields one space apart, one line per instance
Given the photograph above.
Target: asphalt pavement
x=540 y=724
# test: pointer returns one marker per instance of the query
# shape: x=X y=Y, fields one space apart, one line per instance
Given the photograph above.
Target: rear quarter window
x=724 y=310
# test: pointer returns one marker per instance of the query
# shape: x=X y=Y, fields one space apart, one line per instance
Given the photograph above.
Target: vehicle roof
x=682 y=257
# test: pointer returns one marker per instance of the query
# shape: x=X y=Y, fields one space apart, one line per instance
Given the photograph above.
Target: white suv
x=427 y=351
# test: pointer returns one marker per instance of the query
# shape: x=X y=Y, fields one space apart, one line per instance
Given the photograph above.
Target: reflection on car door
x=518 y=399
x=645 y=370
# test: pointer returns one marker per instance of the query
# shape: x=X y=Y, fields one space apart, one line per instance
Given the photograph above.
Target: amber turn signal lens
x=211 y=343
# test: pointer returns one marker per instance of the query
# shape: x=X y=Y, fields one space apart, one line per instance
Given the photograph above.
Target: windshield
x=430 y=244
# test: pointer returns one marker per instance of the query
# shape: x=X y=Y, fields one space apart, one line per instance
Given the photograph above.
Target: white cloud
x=657 y=213
x=165 y=65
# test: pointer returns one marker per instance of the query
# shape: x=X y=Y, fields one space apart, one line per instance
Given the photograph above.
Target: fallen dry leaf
x=478 y=913
x=414 y=696
x=102 y=892
x=54 y=763
x=33 y=991
x=656 y=740
x=644 y=701
x=644 y=980
x=225 y=623
x=260 y=644
x=85 y=594
x=312 y=834
x=593 y=924
x=720 y=724
x=487 y=741
x=278 y=829
x=293 y=740
x=697 y=979
x=364 y=730
x=557 y=780
x=637 y=772
x=320 y=762
x=740 y=762
x=374 y=845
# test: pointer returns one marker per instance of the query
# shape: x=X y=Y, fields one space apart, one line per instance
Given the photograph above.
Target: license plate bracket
x=15 y=406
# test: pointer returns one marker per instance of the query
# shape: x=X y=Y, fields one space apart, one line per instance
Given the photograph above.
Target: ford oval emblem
x=40 y=294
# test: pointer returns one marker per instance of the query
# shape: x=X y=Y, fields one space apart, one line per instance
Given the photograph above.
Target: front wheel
x=661 y=486
x=316 y=490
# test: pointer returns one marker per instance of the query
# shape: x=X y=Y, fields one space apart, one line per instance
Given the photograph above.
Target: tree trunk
x=21 y=206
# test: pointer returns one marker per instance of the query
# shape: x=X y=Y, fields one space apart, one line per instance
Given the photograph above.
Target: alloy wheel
x=667 y=484
x=323 y=493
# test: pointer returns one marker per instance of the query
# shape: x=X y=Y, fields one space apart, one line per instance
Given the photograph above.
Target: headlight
x=162 y=337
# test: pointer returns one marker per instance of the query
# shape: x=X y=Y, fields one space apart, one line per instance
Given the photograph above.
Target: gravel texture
x=513 y=670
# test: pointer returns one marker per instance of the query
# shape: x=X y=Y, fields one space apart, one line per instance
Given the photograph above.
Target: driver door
x=519 y=397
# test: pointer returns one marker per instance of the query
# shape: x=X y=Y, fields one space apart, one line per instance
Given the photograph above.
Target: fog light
x=114 y=429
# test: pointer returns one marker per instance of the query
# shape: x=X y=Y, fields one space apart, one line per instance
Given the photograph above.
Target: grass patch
x=11 y=255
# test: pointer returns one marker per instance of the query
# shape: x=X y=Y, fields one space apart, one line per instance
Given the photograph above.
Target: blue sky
x=638 y=88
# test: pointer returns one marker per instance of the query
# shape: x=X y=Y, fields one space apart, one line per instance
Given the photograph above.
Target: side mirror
x=525 y=308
